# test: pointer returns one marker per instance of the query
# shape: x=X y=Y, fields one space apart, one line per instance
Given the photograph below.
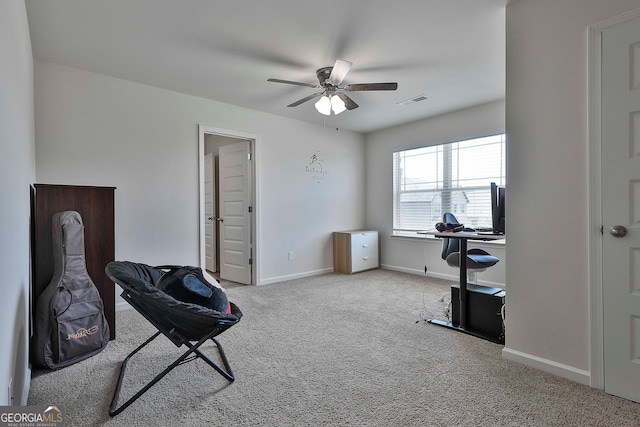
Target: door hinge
x=248 y=156
x=250 y=261
x=602 y=229
x=250 y=209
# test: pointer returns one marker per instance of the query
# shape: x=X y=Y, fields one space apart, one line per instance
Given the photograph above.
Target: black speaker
x=484 y=308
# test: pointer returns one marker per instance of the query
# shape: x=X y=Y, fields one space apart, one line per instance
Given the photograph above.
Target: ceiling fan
x=333 y=96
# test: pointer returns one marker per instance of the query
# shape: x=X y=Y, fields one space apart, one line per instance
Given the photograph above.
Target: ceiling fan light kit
x=333 y=96
x=337 y=104
x=326 y=105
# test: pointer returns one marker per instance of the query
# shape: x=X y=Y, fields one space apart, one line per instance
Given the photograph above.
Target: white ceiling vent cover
x=414 y=100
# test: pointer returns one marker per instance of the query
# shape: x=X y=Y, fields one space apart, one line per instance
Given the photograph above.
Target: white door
x=621 y=208
x=235 y=226
x=209 y=213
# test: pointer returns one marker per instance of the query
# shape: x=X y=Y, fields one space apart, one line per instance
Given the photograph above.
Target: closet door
x=96 y=206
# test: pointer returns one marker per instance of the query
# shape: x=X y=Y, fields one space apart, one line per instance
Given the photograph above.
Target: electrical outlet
x=290 y=255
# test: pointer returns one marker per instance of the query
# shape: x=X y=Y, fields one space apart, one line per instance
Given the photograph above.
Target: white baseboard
x=27 y=387
x=271 y=280
x=122 y=305
x=415 y=271
x=578 y=375
x=452 y=277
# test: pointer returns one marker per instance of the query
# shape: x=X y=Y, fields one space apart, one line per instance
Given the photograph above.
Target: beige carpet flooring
x=330 y=350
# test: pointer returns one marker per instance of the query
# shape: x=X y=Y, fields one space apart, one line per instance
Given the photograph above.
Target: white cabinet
x=354 y=251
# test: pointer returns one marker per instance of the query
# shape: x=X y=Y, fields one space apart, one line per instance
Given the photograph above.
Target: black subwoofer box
x=484 y=305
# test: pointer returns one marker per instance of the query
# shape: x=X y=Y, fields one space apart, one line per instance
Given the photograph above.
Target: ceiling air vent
x=414 y=100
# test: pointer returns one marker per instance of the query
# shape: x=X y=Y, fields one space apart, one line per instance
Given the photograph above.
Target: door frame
x=595 y=192
x=255 y=193
x=214 y=234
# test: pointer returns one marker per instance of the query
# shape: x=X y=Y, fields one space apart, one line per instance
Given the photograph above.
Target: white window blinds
x=454 y=177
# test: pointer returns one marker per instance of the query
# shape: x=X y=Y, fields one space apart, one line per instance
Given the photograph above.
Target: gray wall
x=97 y=130
x=548 y=322
x=17 y=172
x=410 y=254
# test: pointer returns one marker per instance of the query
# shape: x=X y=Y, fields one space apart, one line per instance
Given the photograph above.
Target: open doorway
x=227 y=205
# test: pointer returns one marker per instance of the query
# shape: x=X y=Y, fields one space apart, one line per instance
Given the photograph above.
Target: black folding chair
x=183 y=323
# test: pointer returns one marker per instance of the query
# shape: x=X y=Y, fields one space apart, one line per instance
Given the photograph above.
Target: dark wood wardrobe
x=96 y=206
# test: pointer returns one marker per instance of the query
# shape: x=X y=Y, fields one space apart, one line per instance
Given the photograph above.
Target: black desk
x=463 y=237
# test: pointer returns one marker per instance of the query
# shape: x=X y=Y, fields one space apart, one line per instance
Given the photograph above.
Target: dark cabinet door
x=96 y=206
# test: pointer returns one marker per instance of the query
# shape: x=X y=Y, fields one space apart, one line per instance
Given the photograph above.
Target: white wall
x=411 y=254
x=17 y=172
x=97 y=130
x=548 y=322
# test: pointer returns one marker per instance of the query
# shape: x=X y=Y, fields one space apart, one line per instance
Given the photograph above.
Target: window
x=454 y=177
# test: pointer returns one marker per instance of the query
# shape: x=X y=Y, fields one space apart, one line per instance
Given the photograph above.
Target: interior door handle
x=618 y=231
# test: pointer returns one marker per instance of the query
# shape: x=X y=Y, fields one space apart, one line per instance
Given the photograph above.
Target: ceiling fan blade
x=371 y=86
x=289 y=82
x=305 y=99
x=348 y=102
x=339 y=71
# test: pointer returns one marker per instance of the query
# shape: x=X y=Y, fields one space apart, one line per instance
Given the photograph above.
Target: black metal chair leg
x=228 y=374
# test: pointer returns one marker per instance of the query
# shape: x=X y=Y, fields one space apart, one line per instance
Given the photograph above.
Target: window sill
x=415 y=236
x=409 y=235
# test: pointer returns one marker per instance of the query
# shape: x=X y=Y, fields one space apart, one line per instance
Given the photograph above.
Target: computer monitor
x=497 y=208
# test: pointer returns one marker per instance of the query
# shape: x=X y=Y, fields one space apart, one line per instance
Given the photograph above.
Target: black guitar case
x=69 y=323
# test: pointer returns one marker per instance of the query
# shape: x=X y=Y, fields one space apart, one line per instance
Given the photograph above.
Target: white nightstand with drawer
x=354 y=251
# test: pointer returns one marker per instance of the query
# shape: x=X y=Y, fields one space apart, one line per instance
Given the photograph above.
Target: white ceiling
x=453 y=51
